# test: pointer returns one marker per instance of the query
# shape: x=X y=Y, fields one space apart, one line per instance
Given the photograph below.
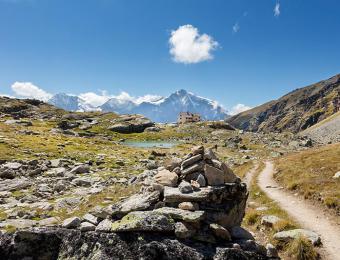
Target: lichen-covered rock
x=143 y=221
x=180 y=214
x=288 y=235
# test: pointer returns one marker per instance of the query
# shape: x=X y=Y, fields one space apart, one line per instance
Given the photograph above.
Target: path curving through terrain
x=306 y=214
x=250 y=174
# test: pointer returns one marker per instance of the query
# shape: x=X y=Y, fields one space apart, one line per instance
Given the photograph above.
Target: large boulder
x=285 y=236
x=127 y=124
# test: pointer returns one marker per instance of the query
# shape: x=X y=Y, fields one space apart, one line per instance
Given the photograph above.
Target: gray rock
x=272 y=251
x=91 y=219
x=57 y=172
x=184 y=230
x=269 y=220
x=209 y=154
x=73 y=222
x=87 y=226
x=240 y=233
x=7 y=173
x=83 y=168
x=288 y=235
x=102 y=212
x=185 y=187
x=15 y=184
x=83 y=181
x=180 y=214
x=174 y=195
x=214 y=176
x=201 y=180
x=104 y=226
x=67 y=203
x=220 y=231
x=197 y=150
x=192 y=206
x=12 y=165
x=144 y=221
x=18 y=223
x=229 y=176
x=194 y=168
x=139 y=202
x=48 y=222
x=188 y=162
x=174 y=163
x=56 y=163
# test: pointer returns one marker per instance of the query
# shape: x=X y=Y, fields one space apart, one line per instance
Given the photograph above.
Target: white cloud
x=28 y=90
x=148 y=98
x=95 y=99
x=277 y=11
x=238 y=109
x=98 y=100
x=236 y=27
x=188 y=46
x=5 y=95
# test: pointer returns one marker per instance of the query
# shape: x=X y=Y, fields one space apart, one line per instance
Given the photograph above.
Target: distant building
x=187 y=117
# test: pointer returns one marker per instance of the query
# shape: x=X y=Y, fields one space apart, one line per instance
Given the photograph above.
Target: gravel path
x=308 y=215
x=249 y=175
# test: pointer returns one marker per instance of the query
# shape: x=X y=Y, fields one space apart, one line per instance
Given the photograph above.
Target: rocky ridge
x=295 y=111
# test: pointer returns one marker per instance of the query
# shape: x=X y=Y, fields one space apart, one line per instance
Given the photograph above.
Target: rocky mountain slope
x=295 y=111
x=163 y=110
x=326 y=131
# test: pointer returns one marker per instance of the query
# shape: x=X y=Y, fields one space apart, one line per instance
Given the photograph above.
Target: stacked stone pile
x=196 y=197
x=190 y=209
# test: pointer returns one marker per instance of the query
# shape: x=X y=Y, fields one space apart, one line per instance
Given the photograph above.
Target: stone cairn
x=197 y=198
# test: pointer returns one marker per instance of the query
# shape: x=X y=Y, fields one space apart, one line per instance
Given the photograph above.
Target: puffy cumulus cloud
x=188 y=46
x=238 y=109
x=28 y=90
x=277 y=11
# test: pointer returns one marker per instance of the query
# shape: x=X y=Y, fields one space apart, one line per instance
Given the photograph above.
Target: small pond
x=150 y=144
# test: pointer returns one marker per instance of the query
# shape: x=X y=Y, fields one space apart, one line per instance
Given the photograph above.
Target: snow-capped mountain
x=163 y=110
x=70 y=103
x=168 y=108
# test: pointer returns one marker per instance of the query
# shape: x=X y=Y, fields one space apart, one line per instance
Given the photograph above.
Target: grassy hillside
x=311 y=173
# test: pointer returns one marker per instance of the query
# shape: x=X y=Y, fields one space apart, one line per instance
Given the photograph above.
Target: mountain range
x=165 y=109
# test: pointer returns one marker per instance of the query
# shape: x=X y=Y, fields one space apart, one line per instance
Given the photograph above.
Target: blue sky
x=253 y=51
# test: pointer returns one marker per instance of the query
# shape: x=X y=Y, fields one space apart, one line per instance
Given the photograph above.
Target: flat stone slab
x=18 y=223
x=181 y=214
x=144 y=221
x=139 y=202
x=174 y=195
x=294 y=233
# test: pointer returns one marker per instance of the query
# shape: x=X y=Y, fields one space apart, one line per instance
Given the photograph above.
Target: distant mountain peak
x=165 y=109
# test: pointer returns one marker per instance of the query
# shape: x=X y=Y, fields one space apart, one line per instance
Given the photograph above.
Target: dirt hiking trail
x=307 y=215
